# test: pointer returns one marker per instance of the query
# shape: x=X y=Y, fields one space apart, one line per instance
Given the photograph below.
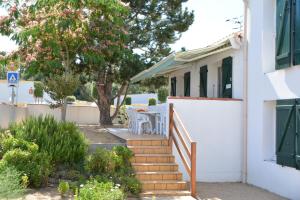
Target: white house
x=273 y=72
x=206 y=88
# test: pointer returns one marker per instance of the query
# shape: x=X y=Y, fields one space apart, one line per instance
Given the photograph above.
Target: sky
x=209 y=26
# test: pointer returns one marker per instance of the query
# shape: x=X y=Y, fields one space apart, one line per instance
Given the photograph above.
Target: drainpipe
x=245 y=95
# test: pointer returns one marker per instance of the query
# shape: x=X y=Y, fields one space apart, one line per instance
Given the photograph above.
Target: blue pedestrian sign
x=13 y=78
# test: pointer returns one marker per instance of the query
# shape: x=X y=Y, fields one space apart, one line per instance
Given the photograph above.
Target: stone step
x=165 y=193
x=163 y=185
x=150 y=149
x=158 y=176
x=154 y=167
x=153 y=158
x=149 y=142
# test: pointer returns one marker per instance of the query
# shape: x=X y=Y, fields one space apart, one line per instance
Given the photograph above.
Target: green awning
x=178 y=60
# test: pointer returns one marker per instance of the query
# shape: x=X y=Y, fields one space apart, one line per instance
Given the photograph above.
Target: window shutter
x=283 y=34
x=187 y=84
x=286 y=116
x=203 y=81
x=297 y=33
x=227 y=77
x=297 y=142
x=173 y=86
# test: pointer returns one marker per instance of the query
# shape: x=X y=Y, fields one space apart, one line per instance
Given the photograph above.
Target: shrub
x=131 y=185
x=38 y=89
x=14 y=143
x=11 y=185
x=94 y=190
x=62 y=141
x=101 y=161
x=35 y=165
x=163 y=94
x=124 y=153
x=71 y=99
x=114 y=166
x=63 y=187
x=128 y=101
x=152 y=102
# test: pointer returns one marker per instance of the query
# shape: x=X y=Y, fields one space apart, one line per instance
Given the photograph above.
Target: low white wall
x=77 y=114
x=9 y=114
x=139 y=98
x=216 y=126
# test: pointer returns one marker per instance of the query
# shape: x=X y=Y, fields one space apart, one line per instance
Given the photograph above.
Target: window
x=187 y=84
x=287 y=133
x=173 y=86
x=287 y=33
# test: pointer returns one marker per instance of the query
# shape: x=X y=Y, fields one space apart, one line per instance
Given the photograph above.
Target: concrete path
x=233 y=191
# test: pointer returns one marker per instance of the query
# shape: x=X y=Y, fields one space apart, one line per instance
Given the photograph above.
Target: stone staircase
x=155 y=167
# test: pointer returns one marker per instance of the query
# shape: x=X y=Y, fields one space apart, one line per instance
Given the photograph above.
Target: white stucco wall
x=77 y=114
x=216 y=126
x=139 y=98
x=265 y=87
x=212 y=62
x=9 y=114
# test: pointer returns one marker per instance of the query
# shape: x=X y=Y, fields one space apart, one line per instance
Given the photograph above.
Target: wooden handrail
x=183 y=127
x=190 y=168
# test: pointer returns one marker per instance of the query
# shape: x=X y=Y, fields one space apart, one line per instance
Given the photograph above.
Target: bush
x=163 y=94
x=152 y=102
x=11 y=183
x=62 y=141
x=38 y=89
x=128 y=101
x=35 y=165
x=71 y=99
x=14 y=143
x=63 y=188
x=114 y=166
x=94 y=190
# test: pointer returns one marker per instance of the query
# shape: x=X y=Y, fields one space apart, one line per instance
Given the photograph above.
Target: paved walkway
x=233 y=191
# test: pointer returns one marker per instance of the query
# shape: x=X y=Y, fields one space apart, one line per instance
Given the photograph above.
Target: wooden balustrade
x=190 y=164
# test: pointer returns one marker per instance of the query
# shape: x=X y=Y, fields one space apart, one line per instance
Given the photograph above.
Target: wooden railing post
x=171 y=124
x=193 y=170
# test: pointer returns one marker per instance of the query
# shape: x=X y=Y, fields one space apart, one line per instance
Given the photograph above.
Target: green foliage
x=122 y=117
x=38 y=89
x=94 y=190
x=114 y=166
x=63 y=187
x=128 y=101
x=11 y=183
x=35 y=165
x=60 y=87
x=14 y=143
x=62 y=141
x=151 y=102
x=163 y=94
x=71 y=99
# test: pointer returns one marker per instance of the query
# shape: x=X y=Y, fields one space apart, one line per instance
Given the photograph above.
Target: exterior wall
x=212 y=62
x=76 y=114
x=216 y=126
x=9 y=114
x=22 y=92
x=265 y=87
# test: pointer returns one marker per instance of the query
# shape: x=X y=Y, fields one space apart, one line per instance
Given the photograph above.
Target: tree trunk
x=104 y=92
x=64 y=110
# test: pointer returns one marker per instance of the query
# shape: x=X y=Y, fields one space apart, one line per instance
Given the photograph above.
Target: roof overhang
x=179 y=60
